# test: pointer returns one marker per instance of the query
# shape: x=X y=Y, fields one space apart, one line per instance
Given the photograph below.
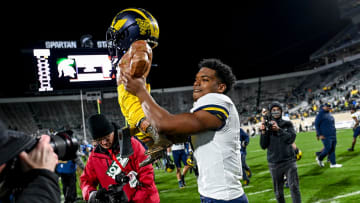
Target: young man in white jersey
x=214 y=125
x=356 y=128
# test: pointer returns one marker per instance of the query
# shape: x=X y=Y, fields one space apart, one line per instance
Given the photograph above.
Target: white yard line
x=177 y=189
x=339 y=197
x=299 y=165
x=263 y=172
x=259 y=150
x=255 y=193
x=274 y=199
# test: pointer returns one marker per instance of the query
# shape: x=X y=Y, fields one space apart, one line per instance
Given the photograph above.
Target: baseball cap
x=12 y=143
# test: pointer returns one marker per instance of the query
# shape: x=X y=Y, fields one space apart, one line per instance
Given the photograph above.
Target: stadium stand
x=332 y=75
x=300 y=91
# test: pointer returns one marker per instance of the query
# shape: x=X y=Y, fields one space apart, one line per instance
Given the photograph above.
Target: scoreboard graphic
x=62 y=65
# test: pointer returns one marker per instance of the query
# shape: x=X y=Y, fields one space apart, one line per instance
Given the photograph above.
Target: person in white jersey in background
x=179 y=155
x=356 y=128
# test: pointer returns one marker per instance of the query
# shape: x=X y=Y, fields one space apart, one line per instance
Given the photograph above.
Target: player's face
x=206 y=82
x=107 y=141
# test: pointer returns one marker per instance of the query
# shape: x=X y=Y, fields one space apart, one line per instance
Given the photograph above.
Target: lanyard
x=117 y=161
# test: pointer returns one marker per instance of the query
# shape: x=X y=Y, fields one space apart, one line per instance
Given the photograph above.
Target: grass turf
x=316 y=184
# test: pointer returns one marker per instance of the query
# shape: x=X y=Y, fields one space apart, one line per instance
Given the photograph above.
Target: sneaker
x=181 y=185
x=183 y=180
x=320 y=163
x=335 y=165
x=351 y=149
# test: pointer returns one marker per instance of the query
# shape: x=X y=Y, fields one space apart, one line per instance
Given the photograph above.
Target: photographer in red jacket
x=105 y=165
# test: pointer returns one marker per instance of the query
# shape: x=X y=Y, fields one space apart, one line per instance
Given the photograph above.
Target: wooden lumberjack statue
x=133 y=34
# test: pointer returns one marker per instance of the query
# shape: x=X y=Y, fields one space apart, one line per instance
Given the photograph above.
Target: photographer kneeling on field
x=120 y=178
x=27 y=176
x=277 y=136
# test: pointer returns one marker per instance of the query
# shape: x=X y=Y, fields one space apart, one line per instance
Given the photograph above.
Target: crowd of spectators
x=343 y=93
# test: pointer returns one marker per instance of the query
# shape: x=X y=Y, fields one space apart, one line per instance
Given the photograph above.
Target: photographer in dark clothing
x=277 y=135
x=27 y=176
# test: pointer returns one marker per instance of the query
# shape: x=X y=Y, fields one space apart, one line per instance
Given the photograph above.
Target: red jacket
x=96 y=172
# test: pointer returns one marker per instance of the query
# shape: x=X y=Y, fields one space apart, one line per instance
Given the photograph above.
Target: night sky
x=256 y=38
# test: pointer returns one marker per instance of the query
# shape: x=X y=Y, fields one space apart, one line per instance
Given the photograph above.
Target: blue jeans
x=242 y=199
x=329 y=149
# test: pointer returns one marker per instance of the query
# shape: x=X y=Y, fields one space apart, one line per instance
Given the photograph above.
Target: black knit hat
x=12 y=143
x=277 y=104
x=99 y=126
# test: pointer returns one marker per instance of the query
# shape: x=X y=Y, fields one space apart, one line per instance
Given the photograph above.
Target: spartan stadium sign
x=72 y=44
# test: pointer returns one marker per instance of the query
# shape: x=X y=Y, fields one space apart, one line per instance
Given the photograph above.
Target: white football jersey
x=356 y=115
x=217 y=152
x=179 y=146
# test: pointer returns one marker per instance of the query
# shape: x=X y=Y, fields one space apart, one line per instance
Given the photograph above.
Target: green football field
x=316 y=184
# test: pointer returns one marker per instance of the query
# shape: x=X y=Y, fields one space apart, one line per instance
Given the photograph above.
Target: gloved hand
x=97 y=196
x=190 y=159
x=133 y=182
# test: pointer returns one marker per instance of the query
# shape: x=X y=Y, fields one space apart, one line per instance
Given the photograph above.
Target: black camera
x=115 y=193
x=267 y=122
x=63 y=144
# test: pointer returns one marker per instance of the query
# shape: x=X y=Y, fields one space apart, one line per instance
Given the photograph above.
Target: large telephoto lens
x=64 y=146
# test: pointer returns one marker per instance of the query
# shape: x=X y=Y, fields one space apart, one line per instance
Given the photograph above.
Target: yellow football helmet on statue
x=129 y=25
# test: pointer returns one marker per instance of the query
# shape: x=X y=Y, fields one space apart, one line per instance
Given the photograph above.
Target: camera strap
x=117 y=161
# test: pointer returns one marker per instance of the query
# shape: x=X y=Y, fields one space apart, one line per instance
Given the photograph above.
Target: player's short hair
x=223 y=72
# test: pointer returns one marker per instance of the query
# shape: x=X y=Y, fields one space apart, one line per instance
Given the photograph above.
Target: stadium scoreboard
x=64 y=65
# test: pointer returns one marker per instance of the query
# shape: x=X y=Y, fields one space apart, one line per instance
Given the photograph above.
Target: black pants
x=278 y=171
x=69 y=186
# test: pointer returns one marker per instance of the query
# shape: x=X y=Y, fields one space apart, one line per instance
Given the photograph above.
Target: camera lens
x=64 y=146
